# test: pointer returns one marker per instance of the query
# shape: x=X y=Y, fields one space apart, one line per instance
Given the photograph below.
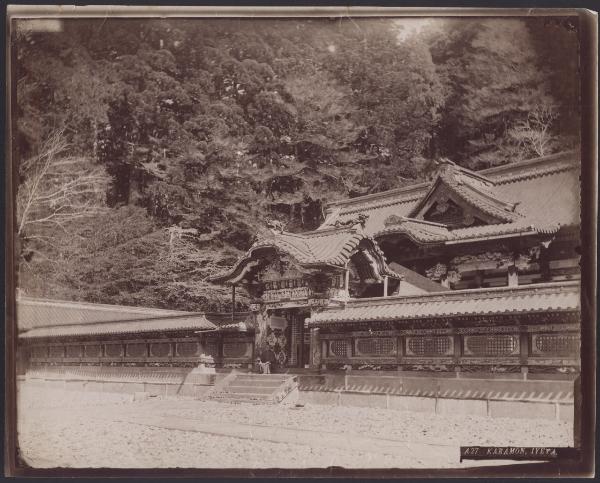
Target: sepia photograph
x=285 y=242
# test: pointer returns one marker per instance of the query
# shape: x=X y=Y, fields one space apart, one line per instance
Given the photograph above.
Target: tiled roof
x=332 y=246
x=239 y=322
x=418 y=230
x=495 y=301
x=48 y=318
x=475 y=189
x=223 y=319
x=197 y=322
x=36 y=312
x=544 y=193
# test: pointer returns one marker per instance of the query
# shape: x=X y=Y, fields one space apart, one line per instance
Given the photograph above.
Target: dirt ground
x=59 y=428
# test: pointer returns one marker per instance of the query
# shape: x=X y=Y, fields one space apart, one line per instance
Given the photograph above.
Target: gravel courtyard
x=77 y=429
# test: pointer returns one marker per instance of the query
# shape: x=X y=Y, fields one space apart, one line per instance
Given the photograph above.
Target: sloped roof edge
x=499 y=174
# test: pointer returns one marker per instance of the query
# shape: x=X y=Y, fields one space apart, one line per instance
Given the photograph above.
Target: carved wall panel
x=187 y=349
x=39 y=351
x=113 y=350
x=375 y=346
x=94 y=350
x=56 y=351
x=137 y=350
x=74 y=351
x=211 y=348
x=338 y=348
x=236 y=349
x=491 y=345
x=160 y=349
x=429 y=346
x=555 y=344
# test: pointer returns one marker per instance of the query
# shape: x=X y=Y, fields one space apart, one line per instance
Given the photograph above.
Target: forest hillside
x=149 y=153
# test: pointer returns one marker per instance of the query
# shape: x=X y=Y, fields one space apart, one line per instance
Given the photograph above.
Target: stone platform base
x=486 y=395
x=562 y=411
x=155 y=381
x=481 y=396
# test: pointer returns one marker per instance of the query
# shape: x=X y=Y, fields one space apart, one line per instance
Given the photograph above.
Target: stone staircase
x=256 y=388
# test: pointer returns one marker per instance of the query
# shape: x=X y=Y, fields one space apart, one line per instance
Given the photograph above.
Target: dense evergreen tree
x=207 y=127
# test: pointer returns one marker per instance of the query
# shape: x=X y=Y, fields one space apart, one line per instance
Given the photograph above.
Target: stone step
x=241 y=395
x=257 y=388
x=272 y=384
x=264 y=377
x=245 y=389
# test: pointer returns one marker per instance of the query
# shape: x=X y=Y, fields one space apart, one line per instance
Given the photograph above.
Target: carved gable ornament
x=459 y=198
x=281 y=268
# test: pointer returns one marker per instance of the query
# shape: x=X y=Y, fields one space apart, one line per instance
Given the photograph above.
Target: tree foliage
x=207 y=127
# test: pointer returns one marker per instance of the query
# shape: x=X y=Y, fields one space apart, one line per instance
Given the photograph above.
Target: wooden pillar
x=315 y=348
x=524 y=351
x=295 y=336
x=546 y=274
x=232 y=302
x=347 y=281
x=513 y=276
x=385 y=285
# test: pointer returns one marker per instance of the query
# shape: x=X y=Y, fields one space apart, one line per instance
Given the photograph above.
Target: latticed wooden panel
x=160 y=349
x=556 y=344
x=429 y=346
x=492 y=345
x=376 y=346
x=113 y=350
x=211 y=348
x=136 y=350
x=74 y=350
x=56 y=351
x=235 y=349
x=39 y=351
x=188 y=349
x=94 y=350
x=338 y=348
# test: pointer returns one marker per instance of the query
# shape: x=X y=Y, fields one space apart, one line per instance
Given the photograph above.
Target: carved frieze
x=359 y=219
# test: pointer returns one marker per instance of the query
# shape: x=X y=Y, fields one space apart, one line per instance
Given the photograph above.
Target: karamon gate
x=469 y=272
x=461 y=293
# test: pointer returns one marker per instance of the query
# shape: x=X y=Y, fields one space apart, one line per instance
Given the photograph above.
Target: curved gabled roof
x=473 y=188
x=332 y=247
x=534 y=196
x=419 y=231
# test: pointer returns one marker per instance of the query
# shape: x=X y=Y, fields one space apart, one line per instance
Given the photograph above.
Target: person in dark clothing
x=267 y=356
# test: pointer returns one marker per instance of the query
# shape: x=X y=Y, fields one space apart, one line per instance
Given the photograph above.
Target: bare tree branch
x=533 y=134
x=57 y=190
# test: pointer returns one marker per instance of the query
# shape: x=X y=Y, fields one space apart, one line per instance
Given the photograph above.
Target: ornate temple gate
x=282 y=335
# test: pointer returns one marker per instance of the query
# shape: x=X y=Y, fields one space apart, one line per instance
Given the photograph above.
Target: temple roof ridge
x=506 y=173
x=555 y=296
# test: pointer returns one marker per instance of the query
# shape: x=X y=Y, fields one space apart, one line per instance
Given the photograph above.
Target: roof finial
x=276 y=226
x=359 y=219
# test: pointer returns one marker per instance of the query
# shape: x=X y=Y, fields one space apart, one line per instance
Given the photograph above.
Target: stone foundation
x=440 y=394
x=492 y=397
x=475 y=407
